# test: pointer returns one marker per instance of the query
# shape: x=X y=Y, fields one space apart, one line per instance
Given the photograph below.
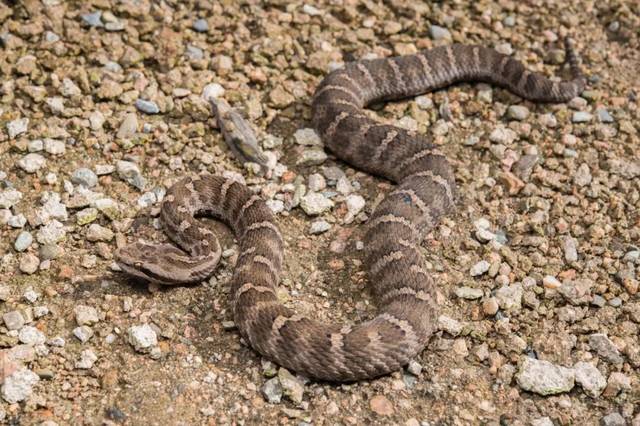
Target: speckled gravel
x=103 y=105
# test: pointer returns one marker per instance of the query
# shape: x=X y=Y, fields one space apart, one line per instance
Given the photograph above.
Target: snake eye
x=138 y=264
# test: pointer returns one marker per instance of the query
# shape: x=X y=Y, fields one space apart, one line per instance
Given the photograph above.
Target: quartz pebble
x=544 y=378
x=142 y=337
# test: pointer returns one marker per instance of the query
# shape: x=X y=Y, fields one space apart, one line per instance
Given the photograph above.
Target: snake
x=395 y=266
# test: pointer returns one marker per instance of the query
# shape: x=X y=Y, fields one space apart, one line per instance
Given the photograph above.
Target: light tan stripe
x=523 y=80
x=339 y=89
x=476 y=57
x=397 y=72
x=385 y=260
x=263 y=225
x=390 y=218
x=502 y=65
x=267 y=262
x=344 y=102
x=426 y=67
x=388 y=138
x=345 y=75
x=403 y=325
x=250 y=202
x=437 y=179
x=453 y=64
x=417 y=269
x=405 y=291
x=365 y=71
x=224 y=188
x=415 y=157
x=335 y=123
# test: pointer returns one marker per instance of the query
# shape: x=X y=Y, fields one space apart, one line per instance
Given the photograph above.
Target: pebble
x=130 y=173
x=544 y=378
x=509 y=297
x=479 y=268
x=311 y=157
x=18 y=386
x=439 y=33
x=85 y=177
x=503 y=135
x=518 y=112
x=212 y=90
x=316 y=182
x=9 y=198
x=613 y=419
x=29 y=263
x=17 y=127
x=276 y=206
x=292 y=388
x=86 y=315
x=17 y=221
x=142 y=337
x=581 y=117
x=450 y=325
x=314 y=203
x=381 y=405
x=605 y=348
x=93 y=19
x=148 y=107
x=490 y=306
x=604 y=116
x=355 y=204
x=617 y=382
x=128 y=126
x=83 y=333
x=468 y=293
x=97 y=232
x=86 y=216
x=570 y=249
x=272 y=391
x=590 y=378
x=31 y=336
x=31 y=163
x=542 y=421
x=87 y=359
x=582 y=177
x=319 y=226
x=54 y=146
x=201 y=25
x=13 y=320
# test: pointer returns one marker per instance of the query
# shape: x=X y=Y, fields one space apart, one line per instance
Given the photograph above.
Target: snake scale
x=404 y=291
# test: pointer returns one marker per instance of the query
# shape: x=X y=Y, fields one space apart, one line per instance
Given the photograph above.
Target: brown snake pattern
x=404 y=291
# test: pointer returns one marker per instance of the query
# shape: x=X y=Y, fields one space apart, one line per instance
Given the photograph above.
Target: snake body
x=425 y=190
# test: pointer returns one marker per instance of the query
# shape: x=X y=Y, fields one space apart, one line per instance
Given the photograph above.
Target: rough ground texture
x=538 y=269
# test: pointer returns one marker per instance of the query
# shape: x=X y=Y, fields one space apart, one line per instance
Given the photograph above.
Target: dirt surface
x=538 y=269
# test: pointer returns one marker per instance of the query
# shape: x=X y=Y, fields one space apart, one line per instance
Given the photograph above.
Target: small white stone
x=479 y=268
x=31 y=163
x=17 y=127
x=17 y=386
x=31 y=336
x=307 y=137
x=86 y=315
x=142 y=337
x=212 y=91
x=87 y=359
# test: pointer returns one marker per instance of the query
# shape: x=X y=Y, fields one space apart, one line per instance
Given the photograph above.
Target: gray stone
x=503 y=135
x=86 y=315
x=130 y=173
x=439 y=33
x=272 y=391
x=542 y=421
x=604 y=116
x=518 y=112
x=17 y=127
x=97 y=232
x=17 y=221
x=54 y=146
x=316 y=182
x=319 y=226
x=31 y=336
x=201 y=25
x=468 y=293
x=276 y=206
x=148 y=107
x=13 y=320
x=9 y=197
x=544 y=378
x=510 y=297
x=29 y=263
x=83 y=333
x=17 y=386
x=355 y=204
x=85 y=177
x=292 y=388
x=590 y=378
x=581 y=117
x=311 y=157
x=605 y=348
x=87 y=359
x=307 y=137
x=582 y=176
x=570 y=249
x=613 y=419
x=212 y=91
x=128 y=127
x=479 y=268
x=31 y=163
x=93 y=19
x=450 y=325
x=314 y=203
x=414 y=367
x=142 y=337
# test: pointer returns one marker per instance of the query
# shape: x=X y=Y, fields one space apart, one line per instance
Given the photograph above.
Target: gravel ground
x=538 y=269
